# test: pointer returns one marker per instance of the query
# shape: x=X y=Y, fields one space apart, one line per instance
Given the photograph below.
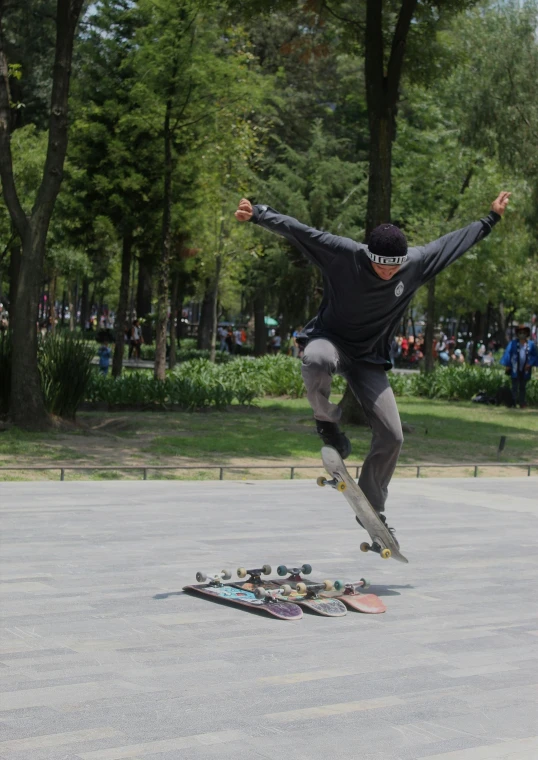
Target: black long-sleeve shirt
x=360 y=312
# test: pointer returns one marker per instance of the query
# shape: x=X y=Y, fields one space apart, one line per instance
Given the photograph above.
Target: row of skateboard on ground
x=285 y=597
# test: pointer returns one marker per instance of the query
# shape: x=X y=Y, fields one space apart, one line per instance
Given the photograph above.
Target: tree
x=27 y=407
x=112 y=149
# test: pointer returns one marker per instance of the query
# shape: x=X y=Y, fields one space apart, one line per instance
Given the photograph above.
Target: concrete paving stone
x=99 y=637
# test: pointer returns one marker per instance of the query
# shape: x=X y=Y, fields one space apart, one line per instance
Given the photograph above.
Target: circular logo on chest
x=399 y=289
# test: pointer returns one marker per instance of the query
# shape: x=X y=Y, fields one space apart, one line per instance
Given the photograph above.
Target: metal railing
x=144 y=468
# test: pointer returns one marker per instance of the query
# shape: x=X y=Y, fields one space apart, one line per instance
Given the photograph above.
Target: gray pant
x=370 y=385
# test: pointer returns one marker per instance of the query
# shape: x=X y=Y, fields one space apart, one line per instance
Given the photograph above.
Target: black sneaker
x=384 y=521
x=331 y=435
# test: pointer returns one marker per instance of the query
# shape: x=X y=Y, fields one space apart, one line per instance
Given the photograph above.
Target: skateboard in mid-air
x=383 y=542
x=275 y=604
x=298 y=590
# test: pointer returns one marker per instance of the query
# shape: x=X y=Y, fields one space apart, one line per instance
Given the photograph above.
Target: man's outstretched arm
x=441 y=253
x=320 y=247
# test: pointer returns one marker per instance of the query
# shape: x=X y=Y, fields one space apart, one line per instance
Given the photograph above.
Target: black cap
x=387 y=245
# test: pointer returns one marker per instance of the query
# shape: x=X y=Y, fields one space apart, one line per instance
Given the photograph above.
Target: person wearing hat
x=367 y=289
x=458 y=356
x=519 y=359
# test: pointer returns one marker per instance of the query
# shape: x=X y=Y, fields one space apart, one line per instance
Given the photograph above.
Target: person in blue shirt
x=519 y=359
x=104 y=358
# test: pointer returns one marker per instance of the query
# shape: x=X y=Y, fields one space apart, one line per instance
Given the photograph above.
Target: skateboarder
x=367 y=289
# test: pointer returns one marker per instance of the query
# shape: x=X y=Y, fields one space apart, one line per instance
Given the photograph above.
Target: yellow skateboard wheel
x=341 y=486
x=386 y=553
x=321 y=481
x=365 y=547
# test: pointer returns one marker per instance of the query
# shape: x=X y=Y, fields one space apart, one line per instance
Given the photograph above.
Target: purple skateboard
x=217 y=591
x=306 y=595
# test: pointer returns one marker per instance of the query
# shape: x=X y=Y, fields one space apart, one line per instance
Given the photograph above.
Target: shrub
x=198 y=383
x=457 y=383
x=65 y=368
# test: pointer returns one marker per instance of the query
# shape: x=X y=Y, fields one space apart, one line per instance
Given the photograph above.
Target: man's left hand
x=500 y=203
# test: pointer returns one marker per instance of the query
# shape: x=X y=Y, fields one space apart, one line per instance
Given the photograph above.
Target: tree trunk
x=352 y=411
x=123 y=303
x=213 y=338
x=166 y=241
x=84 y=303
x=143 y=296
x=52 y=305
x=382 y=96
x=205 y=325
x=174 y=320
x=72 y=306
x=501 y=328
x=430 y=328
x=379 y=180
x=487 y=320
x=27 y=402
x=260 y=332
x=14 y=271
x=476 y=331
x=132 y=290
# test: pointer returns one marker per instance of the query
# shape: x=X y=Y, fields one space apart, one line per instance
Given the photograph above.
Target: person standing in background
x=519 y=359
x=104 y=353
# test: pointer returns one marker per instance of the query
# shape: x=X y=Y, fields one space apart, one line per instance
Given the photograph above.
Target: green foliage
x=200 y=383
x=65 y=367
x=457 y=383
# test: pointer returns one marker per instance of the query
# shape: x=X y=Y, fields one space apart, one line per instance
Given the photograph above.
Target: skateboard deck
x=349 y=594
x=317 y=604
x=245 y=598
x=382 y=541
x=309 y=600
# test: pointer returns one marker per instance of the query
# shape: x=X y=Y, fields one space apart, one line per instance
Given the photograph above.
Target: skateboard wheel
x=341 y=486
x=282 y=570
x=285 y=590
x=385 y=553
x=339 y=585
x=327 y=585
x=267 y=569
x=321 y=481
x=201 y=577
x=300 y=588
x=241 y=572
x=226 y=575
x=365 y=583
x=260 y=593
x=307 y=569
x=365 y=547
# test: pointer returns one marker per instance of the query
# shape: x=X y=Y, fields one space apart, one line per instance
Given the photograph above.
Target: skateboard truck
x=350 y=589
x=375 y=547
x=294 y=572
x=213 y=579
x=255 y=575
x=334 y=483
x=272 y=594
x=311 y=589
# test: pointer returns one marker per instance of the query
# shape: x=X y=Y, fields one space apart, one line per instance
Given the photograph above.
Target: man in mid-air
x=367 y=289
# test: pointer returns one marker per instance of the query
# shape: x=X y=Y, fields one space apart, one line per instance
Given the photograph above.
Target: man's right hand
x=244 y=211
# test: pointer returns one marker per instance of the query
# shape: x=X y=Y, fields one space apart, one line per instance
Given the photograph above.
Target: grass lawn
x=278 y=430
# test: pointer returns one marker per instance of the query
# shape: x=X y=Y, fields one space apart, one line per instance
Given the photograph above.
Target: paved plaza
x=103 y=657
